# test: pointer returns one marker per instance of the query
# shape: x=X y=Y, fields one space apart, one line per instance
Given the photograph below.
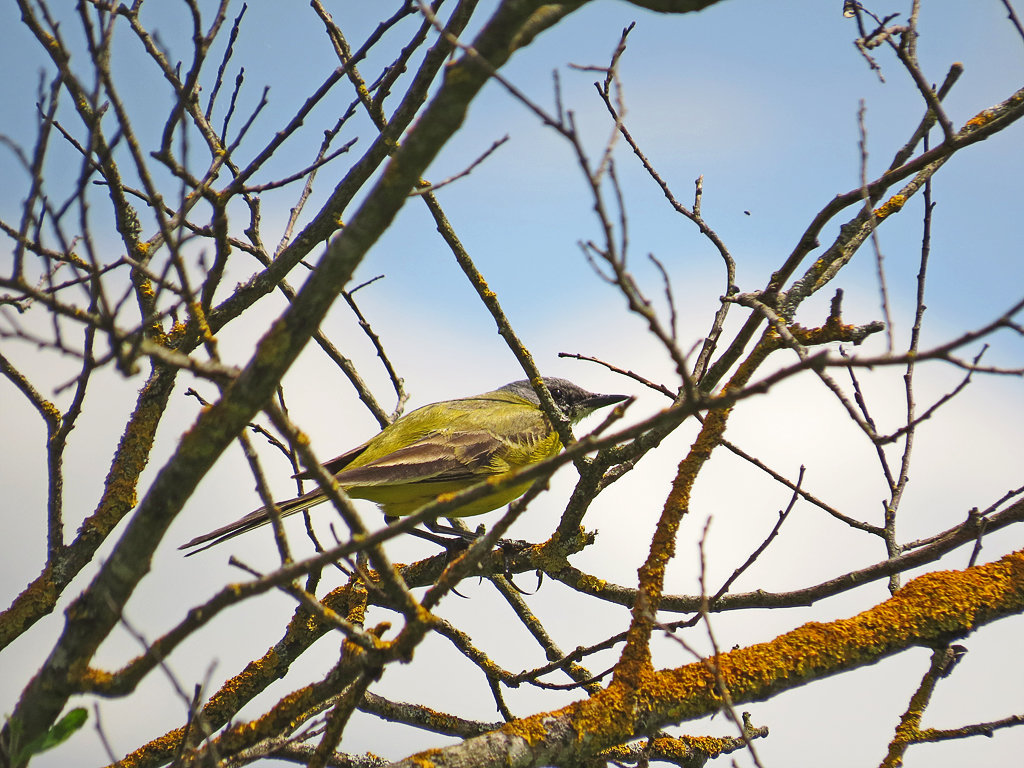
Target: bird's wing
x=336 y=464
x=439 y=457
x=418 y=433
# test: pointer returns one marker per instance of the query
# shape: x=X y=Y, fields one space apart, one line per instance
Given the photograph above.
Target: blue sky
x=760 y=98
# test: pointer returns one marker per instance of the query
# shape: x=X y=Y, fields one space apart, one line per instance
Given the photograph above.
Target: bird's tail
x=254 y=519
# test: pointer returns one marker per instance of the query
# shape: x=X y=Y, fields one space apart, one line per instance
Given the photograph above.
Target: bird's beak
x=594 y=402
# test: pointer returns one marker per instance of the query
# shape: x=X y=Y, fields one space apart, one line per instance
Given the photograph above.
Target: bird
x=438 y=449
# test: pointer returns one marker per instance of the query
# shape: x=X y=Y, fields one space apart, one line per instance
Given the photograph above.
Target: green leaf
x=59 y=733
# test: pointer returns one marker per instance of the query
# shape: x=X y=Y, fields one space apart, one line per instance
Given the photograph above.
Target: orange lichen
x=986 y=116
x=92 y=679
x=890 y=206
x=610 y=717
x=423 y=758
x=931 y=609
x=532 y=730
x=678 y=750
x=161 y=748
x=980 y=119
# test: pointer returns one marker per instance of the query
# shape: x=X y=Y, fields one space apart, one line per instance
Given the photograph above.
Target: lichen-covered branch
x=930 y=610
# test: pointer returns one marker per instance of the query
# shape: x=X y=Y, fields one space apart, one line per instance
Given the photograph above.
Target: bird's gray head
x=575 y=402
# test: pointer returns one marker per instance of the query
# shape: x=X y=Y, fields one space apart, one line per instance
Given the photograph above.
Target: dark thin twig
x=434 y=186
x=622 y=372
x=396 y=381
x=581 y=677
x=783 y=514
x=1012 y=16
x=875 y=244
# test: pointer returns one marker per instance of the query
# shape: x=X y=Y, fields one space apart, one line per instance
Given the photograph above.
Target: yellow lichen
x=50 y=411
x=890 y=206
x=423 y=758
x=532 y=730
x=92 y=679
x=591 y=584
